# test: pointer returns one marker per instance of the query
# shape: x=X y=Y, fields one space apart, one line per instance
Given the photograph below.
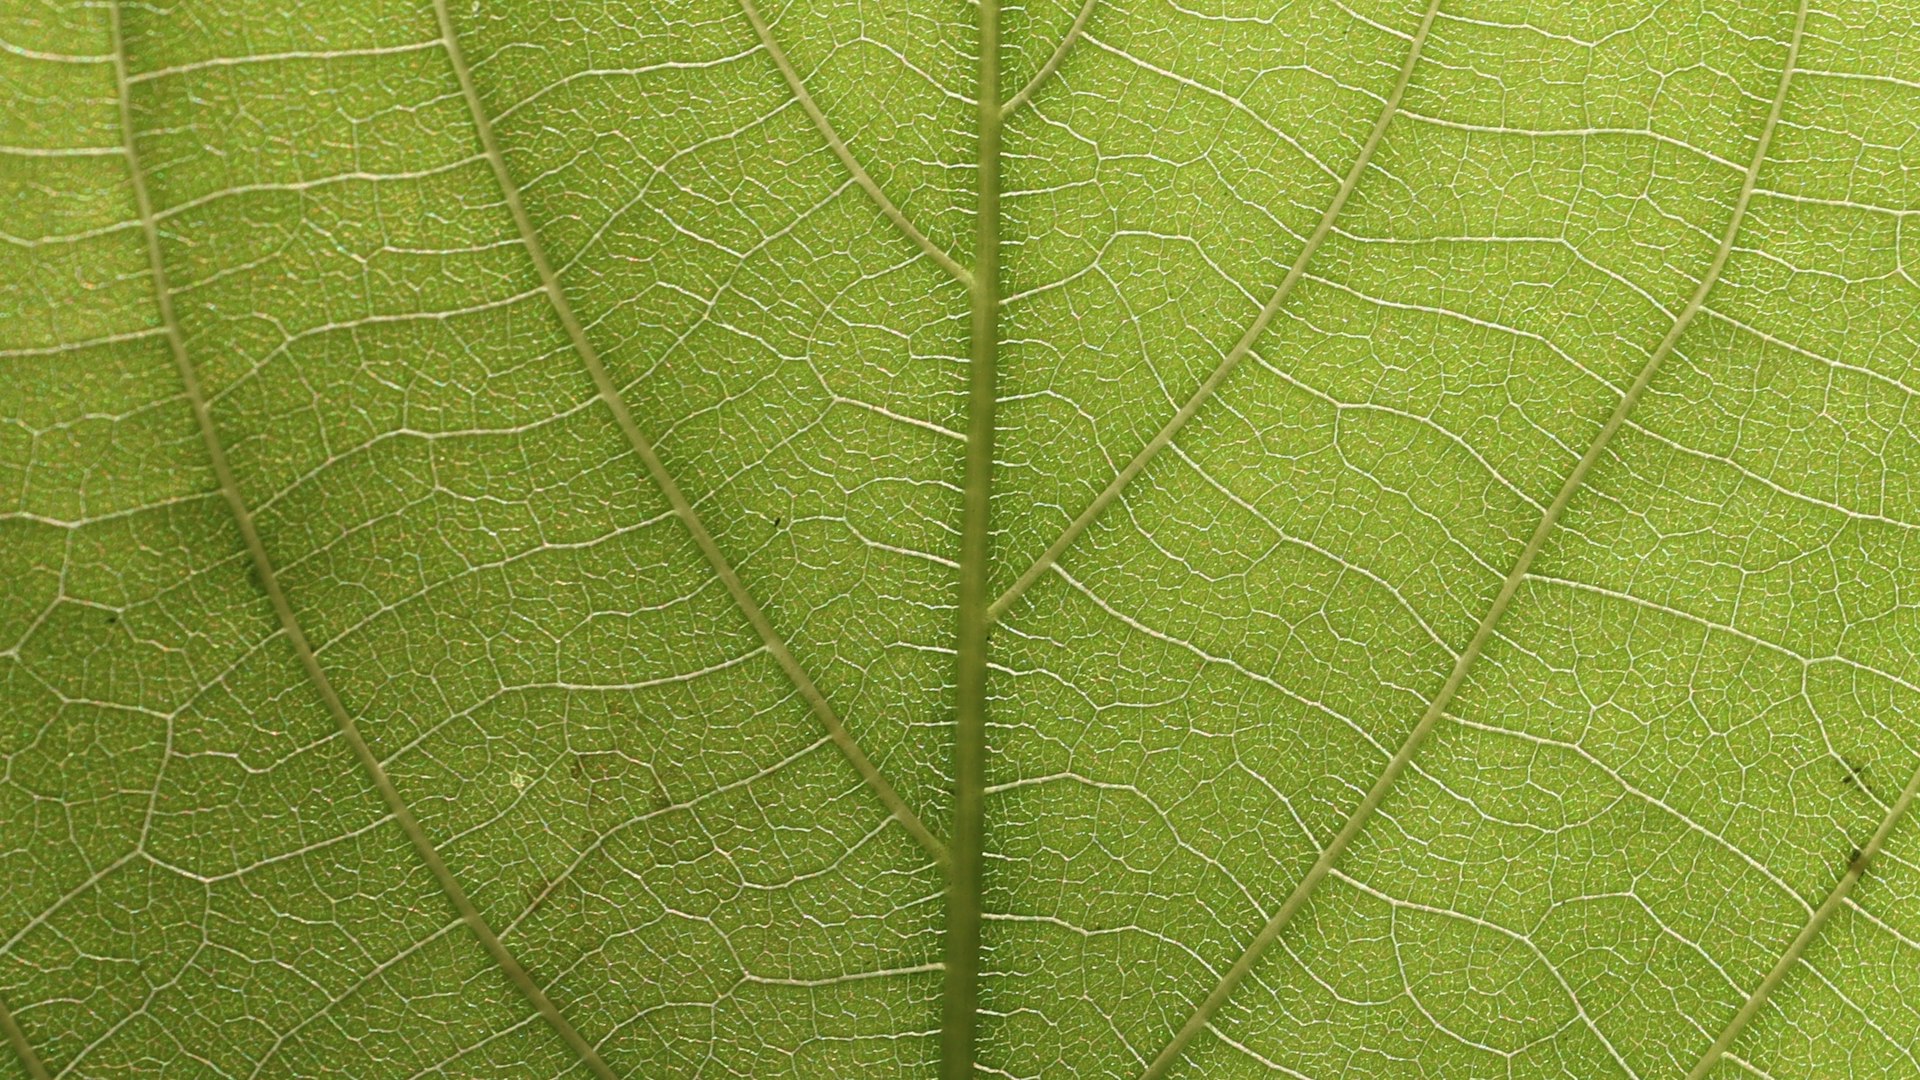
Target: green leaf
x=806 y=538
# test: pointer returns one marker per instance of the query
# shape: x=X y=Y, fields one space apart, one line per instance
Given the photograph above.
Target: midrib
x=960 y=1000
x=976 y=609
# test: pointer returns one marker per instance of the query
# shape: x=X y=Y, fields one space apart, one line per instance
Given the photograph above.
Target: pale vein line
x=59 y=151
x=839 y=148
x=89 y=343
x=289 y=622
x=1525 y=941
x=1242 y=967
x=682 y=508
x=1881 y=924
x=840 y=980
x=1306 y=544
x=601 y=842
x=280 y=57
x=1750 y=1067
x=359 y=984
x=1728 y=628
x=1894 y=1040
x=1240 y=349
x=1263 y=1060
x=1573 y=133
x=1047 y=69
x=67 y=898
x=1217 y=94
x=52 y=57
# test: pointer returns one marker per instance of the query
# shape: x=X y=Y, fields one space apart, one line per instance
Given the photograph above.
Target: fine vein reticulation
x=841 y=150
x=1051 y=556
x=269 y=581
x=1509 y=588
x=1856 y=869
x=643 y=447
x=963 y=855
x=18 y=1040
x=1052 y=64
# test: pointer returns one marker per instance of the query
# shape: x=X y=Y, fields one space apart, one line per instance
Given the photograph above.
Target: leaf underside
x=491 y=571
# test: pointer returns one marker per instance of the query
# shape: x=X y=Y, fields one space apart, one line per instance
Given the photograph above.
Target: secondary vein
x=840 y=150
x=289 y=623
x=676 y=498
x=1052 y=65
x=1240 y=348
x=1509 y=588
x=1857 y=866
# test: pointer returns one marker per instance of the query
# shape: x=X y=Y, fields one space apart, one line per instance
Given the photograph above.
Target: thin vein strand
x=269 y=582
x=676 y=498
x=839 y=147
x=1240 y=348
x=1509 y=588
x=1052 y=65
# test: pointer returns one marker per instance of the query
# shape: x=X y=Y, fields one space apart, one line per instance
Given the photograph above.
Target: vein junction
x=1266 y=566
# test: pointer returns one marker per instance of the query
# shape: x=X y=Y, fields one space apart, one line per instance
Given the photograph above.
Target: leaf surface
x=805 y=538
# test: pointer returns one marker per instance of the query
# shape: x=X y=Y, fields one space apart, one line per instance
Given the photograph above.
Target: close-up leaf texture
x=1319 y=539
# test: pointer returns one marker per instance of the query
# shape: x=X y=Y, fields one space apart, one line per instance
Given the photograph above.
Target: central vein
x=962 y=989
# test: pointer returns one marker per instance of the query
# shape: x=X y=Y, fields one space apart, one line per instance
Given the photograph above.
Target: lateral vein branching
x=676 y=498
x=1240 y=348
x=1052 y=65
x=961 y=856
x=289 y=623
x=1509 y=588
x=839 y=147
x=1863 y=858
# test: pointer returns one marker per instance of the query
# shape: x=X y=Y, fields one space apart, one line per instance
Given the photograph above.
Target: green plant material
x=1076 y=538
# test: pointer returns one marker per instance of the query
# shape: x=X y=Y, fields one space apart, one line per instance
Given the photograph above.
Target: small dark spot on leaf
x=111 y=619
x=777 y=521
x=1854 y=772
